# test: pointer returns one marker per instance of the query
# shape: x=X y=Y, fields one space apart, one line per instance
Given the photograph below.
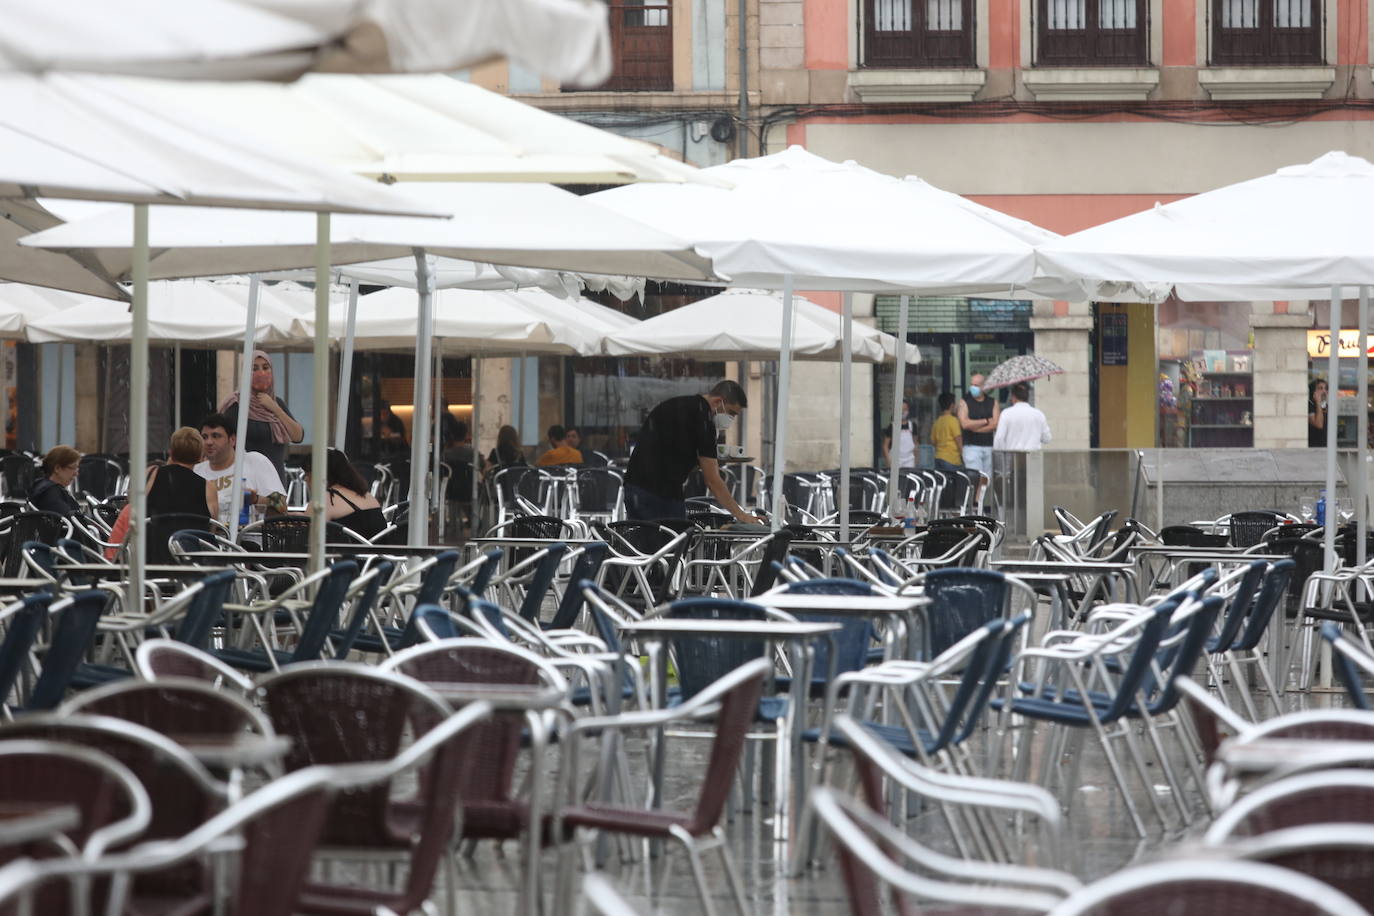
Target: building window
x=918 y=33
x=1091 y=33
x=1266 y=32
x=642 y=45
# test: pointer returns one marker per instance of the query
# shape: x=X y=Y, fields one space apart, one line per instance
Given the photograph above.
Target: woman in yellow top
x=947 y=436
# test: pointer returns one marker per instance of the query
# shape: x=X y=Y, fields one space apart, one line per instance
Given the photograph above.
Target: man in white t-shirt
x=1022 y=427
x=260 y=477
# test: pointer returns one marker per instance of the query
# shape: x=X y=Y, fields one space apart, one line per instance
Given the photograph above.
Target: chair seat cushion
x=252 y=660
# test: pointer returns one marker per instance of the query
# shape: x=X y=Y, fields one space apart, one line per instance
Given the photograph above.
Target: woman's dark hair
x=339 y=472
x=508 y=450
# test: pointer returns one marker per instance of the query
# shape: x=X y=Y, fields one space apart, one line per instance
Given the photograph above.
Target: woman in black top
x=1316 y=414
x=176 y=487
x=350 y=503
x=271 y=428
x=50 y=494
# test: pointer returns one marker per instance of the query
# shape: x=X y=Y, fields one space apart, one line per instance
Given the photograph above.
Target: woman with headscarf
x=270 y=424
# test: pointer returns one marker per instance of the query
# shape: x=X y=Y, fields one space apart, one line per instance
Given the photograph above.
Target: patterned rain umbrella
x=1021 y=369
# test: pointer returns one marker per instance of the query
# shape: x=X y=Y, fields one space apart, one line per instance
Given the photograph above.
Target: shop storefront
x=1206 y=391
x=1343 y=394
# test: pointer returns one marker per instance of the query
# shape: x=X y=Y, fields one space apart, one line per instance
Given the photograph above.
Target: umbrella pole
x=437 y=429
x=319 y=437
x=346 y=368
x=476 y=452
x=419 y=428
x=898 y=385
x=1362 y=431
x=846 y=392
x=245 y=398
x=137 y=537
x=520 y=396
x=1333 y=384
x=176 y=386
x=784 y=385
x=742 y=482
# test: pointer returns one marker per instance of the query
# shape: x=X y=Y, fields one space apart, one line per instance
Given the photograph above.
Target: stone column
x=1280 y=379
x=1065 y=339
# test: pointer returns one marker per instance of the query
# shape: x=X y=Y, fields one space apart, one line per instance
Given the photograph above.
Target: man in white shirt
x=1022 y=428
x=260 y=476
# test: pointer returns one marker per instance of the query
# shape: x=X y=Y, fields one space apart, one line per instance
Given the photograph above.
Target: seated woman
x=350 y=504
x=51 y=493
x=175 y=491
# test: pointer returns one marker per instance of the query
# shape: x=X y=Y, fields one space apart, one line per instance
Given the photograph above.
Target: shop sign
x=1319 y=344
x=1114 y=339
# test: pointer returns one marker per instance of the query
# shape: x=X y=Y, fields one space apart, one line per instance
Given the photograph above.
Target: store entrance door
x=947 y=361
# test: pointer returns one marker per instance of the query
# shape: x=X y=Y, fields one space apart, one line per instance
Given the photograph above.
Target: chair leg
x=732 y=873
x=698 y=873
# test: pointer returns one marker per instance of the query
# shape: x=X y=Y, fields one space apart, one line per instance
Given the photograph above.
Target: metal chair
x=1338 y=855
x=1216 y=887
x=312 y=634
x=158 y=659
x=874 y=854
x=736 y=697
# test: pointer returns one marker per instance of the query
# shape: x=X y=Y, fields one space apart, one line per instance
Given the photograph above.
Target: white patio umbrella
x=82 y=138
x=197 y=313
x=280 y=39
x=796 y=220
x=738 y=325
x=521 y=223
x=1302 y=228
x=423 y=128
x=21 y=305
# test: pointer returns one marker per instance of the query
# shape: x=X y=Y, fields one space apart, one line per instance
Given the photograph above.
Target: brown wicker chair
x=340 y=713
x=737 y=695
x=183 y=793
x=1341 y=855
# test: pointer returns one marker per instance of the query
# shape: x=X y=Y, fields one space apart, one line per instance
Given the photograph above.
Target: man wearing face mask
x=677 y=436
x=978 y=416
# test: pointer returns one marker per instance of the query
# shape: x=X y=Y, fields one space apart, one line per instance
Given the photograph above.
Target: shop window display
x=1205 y=382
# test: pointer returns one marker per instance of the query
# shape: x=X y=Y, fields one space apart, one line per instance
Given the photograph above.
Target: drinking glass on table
x=1307 y=509
x=1345 y=508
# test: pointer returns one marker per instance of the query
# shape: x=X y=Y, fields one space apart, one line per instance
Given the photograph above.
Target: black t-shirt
x=675 y=434
x=1316 y=435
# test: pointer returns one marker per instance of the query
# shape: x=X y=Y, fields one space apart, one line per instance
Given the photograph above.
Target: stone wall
x=1064 y=399
x=1280 y=379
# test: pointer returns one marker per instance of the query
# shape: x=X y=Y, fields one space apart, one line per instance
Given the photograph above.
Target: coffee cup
x=722 y=451
x=737 y=451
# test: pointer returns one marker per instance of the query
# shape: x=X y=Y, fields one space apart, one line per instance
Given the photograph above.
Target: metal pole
x=520 y=396
x=476 y=450
x=743 y=134
x=1362 y=431
x=898 y=386
x=1332 y=411
x=784 y=386
x=436 y=499
x=742 y=483
x=176 y=386
x=138 y=412
x=419 y=426
x=319 y=462
x=846 y=392
x=346 y=367
x=250 y=333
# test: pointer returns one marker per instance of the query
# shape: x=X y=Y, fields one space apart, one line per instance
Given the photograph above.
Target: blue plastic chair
x=852 y=642
x=541 y=580
x=1345 y=668
x=432 y=584
x=77 y=618
x=343 y=639
x=585 y=568
x=324 y=613
x=23 y=619
x=1239 y=609
x=961 y=600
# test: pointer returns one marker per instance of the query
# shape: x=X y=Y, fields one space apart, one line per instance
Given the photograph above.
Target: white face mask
x=723 y=421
